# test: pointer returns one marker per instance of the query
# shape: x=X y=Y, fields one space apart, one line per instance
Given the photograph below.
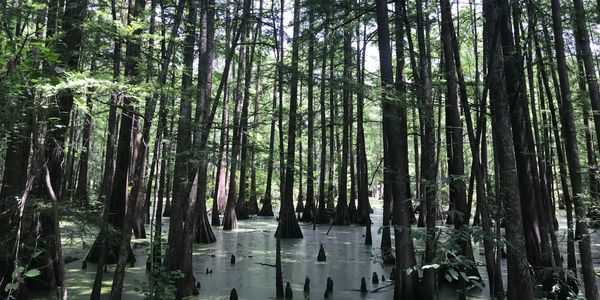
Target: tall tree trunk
x=267 y=206
x=566 y=195
x=352 y=212
x=454 y=139
x=479 y=162
x=16 y=159
x=582 y=43
x=396 y=151
x=280 y=82
x=230 y=215
x=242 y=205
x=309 y=208
x=228 y=218
x=140 y=164
x=113 y=122
x=300 y=198
x=253 y=200
x=570 y=134
x=419 y=129
x=204 y=233
x=288 y=224
x=592 y=164
x=428 y=144
x=322 y=216
x=118 y=202
x=361 y=154
x=529 y=185
x=454 y=127
x=148 y=191
x=193 y=205
x=81 y=193
x=220 y=194
x=332 y=134
x=520 y=283
x=169 y=178
x=184 y=173
x=111 y=141
x=342 y=216
x=21 y=144
x=133 y=53
x=67 y=169
x=108 y=167
x=544 y=208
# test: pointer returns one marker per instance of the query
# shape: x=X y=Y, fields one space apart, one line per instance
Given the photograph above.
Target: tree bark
x=230 y=215
x=566 y=195
x=570 y=134
x=342 y=216
x=307 y=214
x=267 y=206
x=520 y=284
x=429 y=162
x=184 y=173
x=361 y=154
x=204 y=233
x=288 y=224
x=81 y=192
x=396 y=151
x=322 y=216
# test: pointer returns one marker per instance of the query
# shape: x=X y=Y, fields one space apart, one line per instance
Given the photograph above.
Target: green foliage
x=32 y=273
x=455 y=264
x=79 y=224
x=163 y=284
x=448 y=258
x=20 y=273
x=11 y=287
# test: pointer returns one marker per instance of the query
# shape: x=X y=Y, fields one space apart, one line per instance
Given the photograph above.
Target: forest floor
x=253 y=274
